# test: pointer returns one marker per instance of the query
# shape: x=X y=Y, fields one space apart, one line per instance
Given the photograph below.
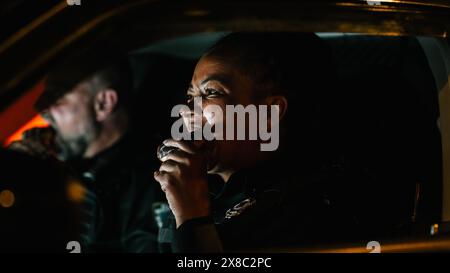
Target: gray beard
x=71 y=149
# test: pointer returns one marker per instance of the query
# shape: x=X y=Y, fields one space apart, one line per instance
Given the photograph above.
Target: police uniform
x=262 y=208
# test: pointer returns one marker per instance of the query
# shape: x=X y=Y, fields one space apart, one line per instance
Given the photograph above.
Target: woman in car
x=229 y=194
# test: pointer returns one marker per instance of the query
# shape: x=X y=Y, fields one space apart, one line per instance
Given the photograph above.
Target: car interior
x=381 y=121
x=375 y=136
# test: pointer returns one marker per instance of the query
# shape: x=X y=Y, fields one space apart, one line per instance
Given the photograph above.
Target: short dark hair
x=118 y=76
x=277 y=61
x=110 y=70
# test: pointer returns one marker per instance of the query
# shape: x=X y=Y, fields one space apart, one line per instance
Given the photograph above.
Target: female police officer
x=230 y=195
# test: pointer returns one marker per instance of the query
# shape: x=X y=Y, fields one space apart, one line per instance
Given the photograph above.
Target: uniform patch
x=240 y=207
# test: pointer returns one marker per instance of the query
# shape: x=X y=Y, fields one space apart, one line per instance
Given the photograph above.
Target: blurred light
x=75 y=191
x=37 y=121
x=7 y=198
x=434 y=229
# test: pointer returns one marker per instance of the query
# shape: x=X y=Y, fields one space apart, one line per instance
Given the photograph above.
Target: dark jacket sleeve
x=139 y=228
x=197 y=235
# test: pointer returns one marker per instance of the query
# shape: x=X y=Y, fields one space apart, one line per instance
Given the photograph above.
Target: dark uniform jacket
x=264 y=208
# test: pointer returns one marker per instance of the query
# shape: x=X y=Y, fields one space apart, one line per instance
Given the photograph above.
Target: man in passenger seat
x=88 y=103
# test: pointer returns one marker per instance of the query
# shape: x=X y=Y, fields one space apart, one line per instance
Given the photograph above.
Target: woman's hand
x=183 y=178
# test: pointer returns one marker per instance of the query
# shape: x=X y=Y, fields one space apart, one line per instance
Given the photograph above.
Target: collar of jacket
x=116 y=156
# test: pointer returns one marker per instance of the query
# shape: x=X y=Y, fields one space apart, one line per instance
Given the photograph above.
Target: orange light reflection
x=37 y=121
